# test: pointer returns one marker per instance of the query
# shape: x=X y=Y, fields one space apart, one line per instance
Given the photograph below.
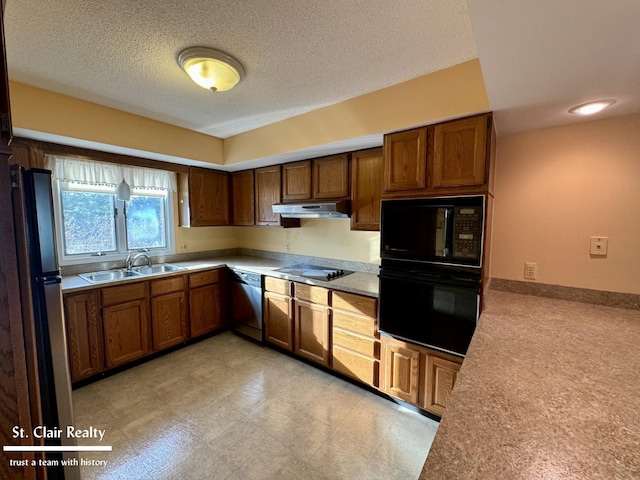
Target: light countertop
x=550 y=389
x=358 y=282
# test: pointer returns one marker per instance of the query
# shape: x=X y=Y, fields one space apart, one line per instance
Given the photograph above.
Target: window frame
x=121 y=251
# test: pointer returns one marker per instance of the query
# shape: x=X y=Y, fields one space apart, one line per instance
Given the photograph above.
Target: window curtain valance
x=100 y=173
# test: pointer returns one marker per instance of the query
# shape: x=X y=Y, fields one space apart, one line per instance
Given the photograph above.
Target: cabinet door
x=126 y=332
x=208 y=197
x=440 y=377
x=331 y=177
x=205 y=311
x=366 y=189
x=405 y=160
x=84 y=335
x=401 y=370
x=267 y=182
x=169 y=321
x=243 y=198
x=278 y=324
x=312 y=331
x=459 y=152
x=296 y=181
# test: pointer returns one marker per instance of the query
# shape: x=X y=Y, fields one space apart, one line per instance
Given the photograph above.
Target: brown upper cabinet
x=296 y=181
x=449 y=157
x=459 y=152
x=405 y=160
x=366 y=189
x=318 y=179
x=243 y=198
x=268 y=190
x=204 y=198
x=331 y=177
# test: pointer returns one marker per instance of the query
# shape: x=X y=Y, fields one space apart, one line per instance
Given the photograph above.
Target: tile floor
x=226 y=408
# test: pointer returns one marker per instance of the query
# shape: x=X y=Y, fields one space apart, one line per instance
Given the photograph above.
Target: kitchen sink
x=113 y=275
x=160 y=268
x=109 y=275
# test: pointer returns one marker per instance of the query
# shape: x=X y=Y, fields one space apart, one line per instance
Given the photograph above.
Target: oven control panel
x=467 y=232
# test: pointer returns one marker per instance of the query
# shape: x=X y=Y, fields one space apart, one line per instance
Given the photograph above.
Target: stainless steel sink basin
x=160 y=268
x=109 y=275
x=113 y=275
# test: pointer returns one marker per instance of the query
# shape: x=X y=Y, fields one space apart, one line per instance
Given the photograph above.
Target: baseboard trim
x=628 y=301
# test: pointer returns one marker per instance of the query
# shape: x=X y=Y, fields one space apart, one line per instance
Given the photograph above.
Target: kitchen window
x=94 y=225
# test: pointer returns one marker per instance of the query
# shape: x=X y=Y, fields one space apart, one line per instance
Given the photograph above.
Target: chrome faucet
x=130 y=262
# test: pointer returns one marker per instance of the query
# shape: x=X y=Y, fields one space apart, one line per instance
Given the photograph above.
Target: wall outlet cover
x=530 y=270
x=598 y=246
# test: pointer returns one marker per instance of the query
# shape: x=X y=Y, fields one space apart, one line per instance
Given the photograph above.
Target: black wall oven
x=436 y=308
x=430 y=276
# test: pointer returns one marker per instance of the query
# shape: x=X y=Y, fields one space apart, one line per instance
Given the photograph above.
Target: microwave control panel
x=467 y=232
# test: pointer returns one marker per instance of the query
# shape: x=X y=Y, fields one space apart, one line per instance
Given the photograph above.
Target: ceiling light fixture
x=591 y=107
x=211 y=68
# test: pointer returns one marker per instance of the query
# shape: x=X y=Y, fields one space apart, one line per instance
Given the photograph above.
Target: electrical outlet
x=183 y=246
x=530 y=270
x=287 y=247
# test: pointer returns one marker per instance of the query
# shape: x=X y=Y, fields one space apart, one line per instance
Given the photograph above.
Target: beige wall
x=452 y=92
x=48 y=112
x=557 y=187
x=329 y=238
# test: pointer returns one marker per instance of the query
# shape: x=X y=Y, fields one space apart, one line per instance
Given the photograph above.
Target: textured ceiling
x=538 y=58
x=298 y=55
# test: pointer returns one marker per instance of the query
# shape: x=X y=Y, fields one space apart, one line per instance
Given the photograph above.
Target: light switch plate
x=599 y=246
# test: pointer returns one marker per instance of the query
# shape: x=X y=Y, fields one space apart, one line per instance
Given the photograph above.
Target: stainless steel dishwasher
x=246 y=303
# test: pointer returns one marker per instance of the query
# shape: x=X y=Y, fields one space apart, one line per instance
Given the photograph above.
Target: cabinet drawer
x=355 y=323
x=204 y=278
x=277 y=285
x=357 y=343
x=310 y=293
x=360 y=367
x=123 y=293
x=355 y=303
x=168 y=285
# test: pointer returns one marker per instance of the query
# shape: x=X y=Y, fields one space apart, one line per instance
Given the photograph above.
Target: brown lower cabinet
x=278 y=316
x=401 y=370
x=418 y=375
x=126 y=323
x=111 y=326
x=355 y=338
x=312 y=323
x=335 y=329
x=205 y=308
x=169 y=312
x=84 y=334
x=298 y=323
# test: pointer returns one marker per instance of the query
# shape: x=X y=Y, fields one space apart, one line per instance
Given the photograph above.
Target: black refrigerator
x=33 y=207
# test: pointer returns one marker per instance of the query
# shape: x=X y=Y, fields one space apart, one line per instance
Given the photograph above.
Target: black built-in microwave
x=442 y=230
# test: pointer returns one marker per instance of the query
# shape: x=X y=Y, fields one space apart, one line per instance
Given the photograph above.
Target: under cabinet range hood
x=324 y=209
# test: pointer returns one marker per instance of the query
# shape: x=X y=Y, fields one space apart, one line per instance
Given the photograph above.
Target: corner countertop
x=358 y=282
x=549 y=389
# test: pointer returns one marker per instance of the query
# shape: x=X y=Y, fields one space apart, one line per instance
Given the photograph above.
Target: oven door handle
x=432 y=279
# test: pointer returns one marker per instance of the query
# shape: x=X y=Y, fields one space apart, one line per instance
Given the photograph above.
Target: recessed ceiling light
x=591 y=107
x=210 y=68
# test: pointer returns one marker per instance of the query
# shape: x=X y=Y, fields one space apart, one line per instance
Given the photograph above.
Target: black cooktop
x=316 y=272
